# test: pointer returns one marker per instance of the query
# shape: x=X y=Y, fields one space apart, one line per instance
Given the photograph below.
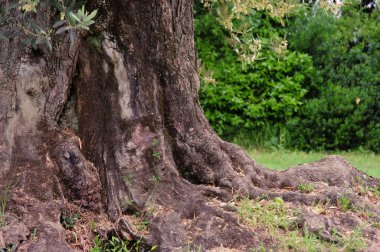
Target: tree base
x=113 y=132
x=181 y=214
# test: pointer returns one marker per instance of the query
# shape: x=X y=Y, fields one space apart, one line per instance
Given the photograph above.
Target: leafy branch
x=18 y=18
x=234 y=15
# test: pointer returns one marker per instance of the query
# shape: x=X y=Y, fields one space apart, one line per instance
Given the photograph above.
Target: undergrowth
x=3 y=202
x=116 y=244
x=306 y=187
x=279 y=220
x=69 y=220
x=266 y=137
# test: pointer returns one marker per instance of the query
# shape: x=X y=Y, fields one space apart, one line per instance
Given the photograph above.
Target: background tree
x=110 y=122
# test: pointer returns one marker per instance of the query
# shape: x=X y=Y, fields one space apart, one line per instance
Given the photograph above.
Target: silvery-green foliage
x=19 y=18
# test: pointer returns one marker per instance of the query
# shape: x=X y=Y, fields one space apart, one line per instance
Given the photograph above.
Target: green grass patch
x=278 y=220
x=306 y=187
x=283 y=159
x=3 y=204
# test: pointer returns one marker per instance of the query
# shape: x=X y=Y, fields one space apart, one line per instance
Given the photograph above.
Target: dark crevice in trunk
x=68 y=118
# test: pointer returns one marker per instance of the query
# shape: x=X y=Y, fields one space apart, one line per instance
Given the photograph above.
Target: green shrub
x=345 y=50
x=247 y=98
x=343 y=99
x=339 y=119
x=268 y=137
x=373 y=137
x=323 y=95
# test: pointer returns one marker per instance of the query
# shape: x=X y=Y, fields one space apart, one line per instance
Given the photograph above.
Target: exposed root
x=79 y=177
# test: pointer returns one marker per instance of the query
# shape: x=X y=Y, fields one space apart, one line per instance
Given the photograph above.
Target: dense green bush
x=248 y=98
x=323 y=95
x=346 y=56
x=345 y=50
x=339 y=119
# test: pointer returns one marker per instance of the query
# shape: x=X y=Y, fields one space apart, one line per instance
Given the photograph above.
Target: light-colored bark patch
x=121 y=75
x=31 y=79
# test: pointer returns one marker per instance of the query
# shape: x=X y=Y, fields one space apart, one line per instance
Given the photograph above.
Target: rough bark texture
x=112 y=124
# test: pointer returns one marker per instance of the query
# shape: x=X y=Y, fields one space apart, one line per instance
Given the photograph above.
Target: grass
x=283 y=159
x=3 y=204
x=277 y=219
x=306 y=187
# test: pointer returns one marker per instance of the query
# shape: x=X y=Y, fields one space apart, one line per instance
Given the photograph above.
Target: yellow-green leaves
x=205 y=75
x=231 y=14
x=29 y=5
x=17 y=19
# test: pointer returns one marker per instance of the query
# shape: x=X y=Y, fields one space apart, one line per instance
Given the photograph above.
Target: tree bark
x=112 y=123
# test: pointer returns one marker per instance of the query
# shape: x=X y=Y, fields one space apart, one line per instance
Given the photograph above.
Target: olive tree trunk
x=112 y=124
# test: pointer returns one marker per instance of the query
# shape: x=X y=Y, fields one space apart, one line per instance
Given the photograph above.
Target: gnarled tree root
x=183 y=213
